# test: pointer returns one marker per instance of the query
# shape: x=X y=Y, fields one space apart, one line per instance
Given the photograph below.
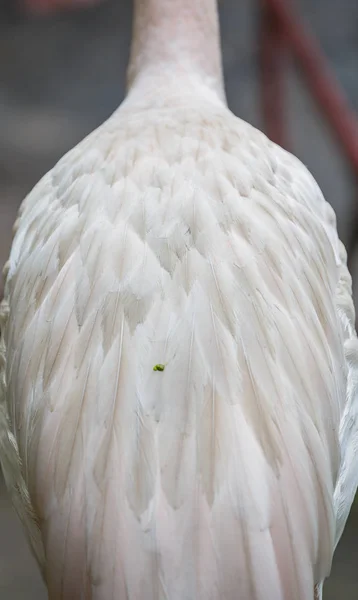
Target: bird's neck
x=176 y=39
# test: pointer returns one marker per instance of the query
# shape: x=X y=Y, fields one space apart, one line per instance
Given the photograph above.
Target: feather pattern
x=230 y=473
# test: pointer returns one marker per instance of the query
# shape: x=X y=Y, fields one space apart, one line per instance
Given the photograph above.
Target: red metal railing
x=281 y=30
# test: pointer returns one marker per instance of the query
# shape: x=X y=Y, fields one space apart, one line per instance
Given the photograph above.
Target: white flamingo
x=178 y=359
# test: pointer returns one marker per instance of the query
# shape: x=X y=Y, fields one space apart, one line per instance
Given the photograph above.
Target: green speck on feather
x=159 y=367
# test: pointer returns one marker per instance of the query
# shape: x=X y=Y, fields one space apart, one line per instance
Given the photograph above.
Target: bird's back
x=176 y=375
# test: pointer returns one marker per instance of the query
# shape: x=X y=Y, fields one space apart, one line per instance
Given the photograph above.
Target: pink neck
x=176 y=37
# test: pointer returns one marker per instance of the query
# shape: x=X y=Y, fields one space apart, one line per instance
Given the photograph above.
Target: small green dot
x=159 y=367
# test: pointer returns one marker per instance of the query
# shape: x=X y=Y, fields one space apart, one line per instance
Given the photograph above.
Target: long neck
x=176 y=38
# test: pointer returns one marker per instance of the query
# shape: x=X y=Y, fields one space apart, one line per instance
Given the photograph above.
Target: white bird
x=178 y=353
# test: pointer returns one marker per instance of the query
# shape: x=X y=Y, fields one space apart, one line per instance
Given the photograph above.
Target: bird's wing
x=217 y=473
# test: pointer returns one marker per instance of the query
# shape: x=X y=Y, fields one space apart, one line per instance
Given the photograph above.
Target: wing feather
x=230 y=472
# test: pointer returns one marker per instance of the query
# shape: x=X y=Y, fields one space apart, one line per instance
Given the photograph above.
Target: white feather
x=179 y=236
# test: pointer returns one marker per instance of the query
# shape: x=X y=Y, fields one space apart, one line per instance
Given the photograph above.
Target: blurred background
x=62 y=74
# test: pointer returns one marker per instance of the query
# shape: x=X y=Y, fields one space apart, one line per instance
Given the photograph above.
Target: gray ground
x=61 y=78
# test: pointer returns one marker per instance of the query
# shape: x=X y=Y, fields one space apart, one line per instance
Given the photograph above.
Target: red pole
x=320 y=79
x=271 y=52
